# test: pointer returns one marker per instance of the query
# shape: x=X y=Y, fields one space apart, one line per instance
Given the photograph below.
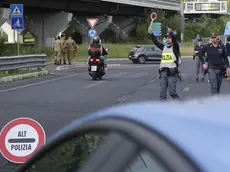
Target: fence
x=8 y=63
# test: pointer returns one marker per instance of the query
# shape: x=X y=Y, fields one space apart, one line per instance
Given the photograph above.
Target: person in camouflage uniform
x=64 y=50
x=57 y=48
x=71 y=47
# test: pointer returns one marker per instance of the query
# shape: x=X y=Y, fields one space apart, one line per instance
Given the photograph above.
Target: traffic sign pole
x=17 y=20
x=92 y=23
x=18 y=45
x=153 y=17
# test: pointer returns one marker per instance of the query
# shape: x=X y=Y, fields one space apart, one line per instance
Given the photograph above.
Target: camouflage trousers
x=70 y=55
x=57 y=55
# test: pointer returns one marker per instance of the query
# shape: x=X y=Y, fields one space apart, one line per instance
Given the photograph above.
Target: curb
x=118 y=59
x=23 y=76
x=50 y=63
x=61 y=68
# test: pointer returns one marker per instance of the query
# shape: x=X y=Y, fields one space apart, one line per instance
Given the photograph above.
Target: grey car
x=142 y=53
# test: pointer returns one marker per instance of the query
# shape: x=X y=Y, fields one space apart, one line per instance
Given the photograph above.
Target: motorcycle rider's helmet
x=96 y=40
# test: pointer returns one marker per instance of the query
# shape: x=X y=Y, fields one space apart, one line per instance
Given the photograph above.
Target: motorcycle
x=96 y=67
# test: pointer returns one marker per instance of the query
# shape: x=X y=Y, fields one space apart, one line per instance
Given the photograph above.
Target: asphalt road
x=58 y=99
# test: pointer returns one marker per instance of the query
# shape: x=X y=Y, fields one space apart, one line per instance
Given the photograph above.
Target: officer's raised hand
x=150 y=30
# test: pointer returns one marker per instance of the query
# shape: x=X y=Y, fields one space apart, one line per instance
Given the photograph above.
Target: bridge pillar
x=4 y=15
x=81 y=25
x=12 y=34
x=122 y=26
x=45 y=26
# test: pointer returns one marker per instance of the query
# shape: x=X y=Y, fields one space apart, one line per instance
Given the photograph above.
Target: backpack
x=95 y=52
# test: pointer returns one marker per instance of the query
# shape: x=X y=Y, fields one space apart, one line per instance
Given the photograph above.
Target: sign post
x=156 y=27
x=153 y=17
x=92 y=23
x=20 y=138
x=17 y=20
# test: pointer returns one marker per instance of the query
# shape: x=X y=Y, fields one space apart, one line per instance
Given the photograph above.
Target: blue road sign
x=92 y=32
x=17 y=17
x=156 y=32
x=17 y=23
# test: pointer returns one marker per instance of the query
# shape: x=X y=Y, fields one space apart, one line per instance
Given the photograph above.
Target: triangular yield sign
x=92 y=22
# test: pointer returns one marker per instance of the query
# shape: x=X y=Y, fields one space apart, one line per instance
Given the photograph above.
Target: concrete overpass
x=48 y=18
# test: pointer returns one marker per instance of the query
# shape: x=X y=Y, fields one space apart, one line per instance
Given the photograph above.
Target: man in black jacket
x=227 y=46
x=170 y=61
x=217 y=62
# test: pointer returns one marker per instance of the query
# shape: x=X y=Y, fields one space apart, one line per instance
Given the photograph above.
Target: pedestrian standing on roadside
x=57 y=51
x=64 y=51
x=216 y=63
x=199 y=67
x=71 y=48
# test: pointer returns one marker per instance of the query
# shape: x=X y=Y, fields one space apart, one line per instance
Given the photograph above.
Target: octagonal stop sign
x=153 y=16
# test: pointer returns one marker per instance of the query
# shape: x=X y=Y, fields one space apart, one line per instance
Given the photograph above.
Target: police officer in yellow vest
x=168 y=68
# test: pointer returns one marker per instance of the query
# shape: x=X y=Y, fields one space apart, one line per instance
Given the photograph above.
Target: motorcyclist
x=97 y=49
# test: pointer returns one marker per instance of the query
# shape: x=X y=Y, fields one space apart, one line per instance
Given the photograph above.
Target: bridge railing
x=8 y=63
x=214 y=7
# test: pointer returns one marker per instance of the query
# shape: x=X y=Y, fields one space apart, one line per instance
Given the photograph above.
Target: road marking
x=42 y=82
x=137 y=66
x=118 y=74
x=94 y=84
x=138 y=75
x=125 y=97
x=187 y=87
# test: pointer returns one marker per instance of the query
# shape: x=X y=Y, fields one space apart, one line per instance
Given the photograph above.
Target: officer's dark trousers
x=215 y=80
x=168 y=82
x=199 y=69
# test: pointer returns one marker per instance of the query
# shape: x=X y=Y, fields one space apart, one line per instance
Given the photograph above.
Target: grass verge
x=16 y=72
x=121 y=51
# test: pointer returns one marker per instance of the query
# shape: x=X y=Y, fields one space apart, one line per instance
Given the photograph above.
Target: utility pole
x=182 y=22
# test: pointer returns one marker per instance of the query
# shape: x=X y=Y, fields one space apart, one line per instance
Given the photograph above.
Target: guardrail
x=8 y=63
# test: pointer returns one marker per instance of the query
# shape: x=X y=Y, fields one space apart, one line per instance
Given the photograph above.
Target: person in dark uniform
x=168 y=68
x=227 y=46
x=199 y=67
x=217 y=62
